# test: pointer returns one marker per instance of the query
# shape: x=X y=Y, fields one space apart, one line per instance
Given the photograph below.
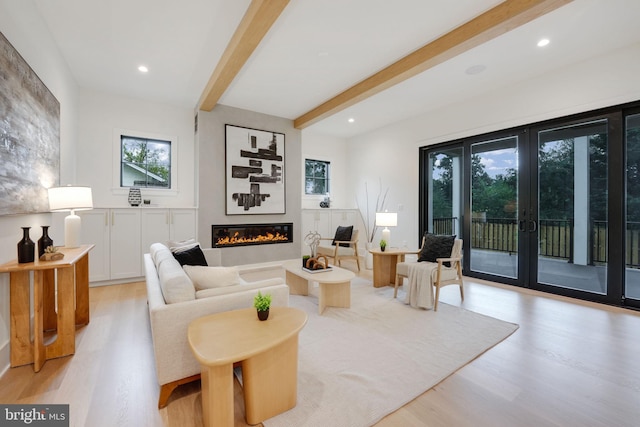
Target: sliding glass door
x=553 y=206
x=493 y=240
x=444 y=212
x=572 y=211
x=632 y=208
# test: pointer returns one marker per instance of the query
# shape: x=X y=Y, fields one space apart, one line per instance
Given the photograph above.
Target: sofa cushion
x=436 y=246
x=155 y=249
x=180 y=243
x=212 y=277
x=258 y=285
x=191 y=256
x=174 y=282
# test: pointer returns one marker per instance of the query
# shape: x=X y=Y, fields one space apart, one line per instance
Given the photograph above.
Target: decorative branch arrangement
x=381 y=200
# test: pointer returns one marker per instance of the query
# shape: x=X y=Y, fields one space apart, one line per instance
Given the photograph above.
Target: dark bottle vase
x=263 y=315
x=45 y=241
x=26 y=247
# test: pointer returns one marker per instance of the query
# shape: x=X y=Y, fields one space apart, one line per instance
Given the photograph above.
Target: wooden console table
x=268 y=352
x=63 y=284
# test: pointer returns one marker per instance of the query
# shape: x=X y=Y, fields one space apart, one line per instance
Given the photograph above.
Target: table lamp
x=386 y=219
x=71 y=199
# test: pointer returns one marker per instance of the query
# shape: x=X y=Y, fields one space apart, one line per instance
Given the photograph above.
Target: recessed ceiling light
x=351 y=120
x=543 y=42
x=143 y=69
x=475 y=69
x=323 y=53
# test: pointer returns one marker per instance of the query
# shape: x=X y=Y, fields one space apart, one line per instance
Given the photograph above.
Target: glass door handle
x=521 y=226
x=533 y=226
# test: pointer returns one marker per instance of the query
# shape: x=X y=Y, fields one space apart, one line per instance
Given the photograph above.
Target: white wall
x=334 y=150
x=211 y=167
x=21 y=25
x=101 y=114
x=596 y=83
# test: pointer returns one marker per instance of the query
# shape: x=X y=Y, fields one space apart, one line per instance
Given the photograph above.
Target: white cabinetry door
x=125 y=243
x=183 y=225
x=95 y=231
x=155 y=227
x=344 y=218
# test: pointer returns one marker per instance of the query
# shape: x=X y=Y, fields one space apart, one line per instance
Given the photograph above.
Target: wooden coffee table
x=268 y=352
x=335 y=285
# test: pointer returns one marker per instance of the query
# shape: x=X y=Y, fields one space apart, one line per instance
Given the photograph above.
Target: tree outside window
x=316 y=177
x=145 y=162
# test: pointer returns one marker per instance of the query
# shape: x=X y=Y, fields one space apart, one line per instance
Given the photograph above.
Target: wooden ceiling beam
x=257 y=20
x=503 y=18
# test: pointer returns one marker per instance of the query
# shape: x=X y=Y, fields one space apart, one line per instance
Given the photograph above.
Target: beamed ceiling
x=320 y=62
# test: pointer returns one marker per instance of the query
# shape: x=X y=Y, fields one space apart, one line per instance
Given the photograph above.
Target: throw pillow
x=179 y=246
x=343 y=234
x=436 y=246
x=212 y=277
x=191 y=256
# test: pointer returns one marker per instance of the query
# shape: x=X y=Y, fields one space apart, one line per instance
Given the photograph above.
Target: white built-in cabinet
x=161 y=225
x=122 y=236
x=325 y=222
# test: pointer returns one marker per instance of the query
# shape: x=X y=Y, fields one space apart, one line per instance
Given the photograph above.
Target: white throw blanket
x=420 y=286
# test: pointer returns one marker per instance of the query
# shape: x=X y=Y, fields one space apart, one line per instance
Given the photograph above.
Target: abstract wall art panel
x=255 y=182
x=29 y=136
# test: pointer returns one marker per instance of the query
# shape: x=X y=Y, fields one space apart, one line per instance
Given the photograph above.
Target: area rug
x=358 y=365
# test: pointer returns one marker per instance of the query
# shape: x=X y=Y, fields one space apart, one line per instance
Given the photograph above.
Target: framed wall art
x=255 y=166
x=29 y=136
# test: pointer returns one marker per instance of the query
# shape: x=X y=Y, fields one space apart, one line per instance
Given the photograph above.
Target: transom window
x=145 y=162
x=316 y=177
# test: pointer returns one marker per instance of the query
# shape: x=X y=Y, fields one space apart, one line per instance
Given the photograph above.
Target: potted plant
x=305 y=258
x=383 y=245
x=262 y=304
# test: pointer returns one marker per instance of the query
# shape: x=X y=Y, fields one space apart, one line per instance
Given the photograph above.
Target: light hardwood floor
x=571 y=363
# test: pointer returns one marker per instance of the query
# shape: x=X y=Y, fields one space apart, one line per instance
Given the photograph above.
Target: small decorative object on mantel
x=325 y=203
x=51 y=254
x=383 y=245
x=45 y=241
x=26 y=247
x=262 y=304
x=135 y=197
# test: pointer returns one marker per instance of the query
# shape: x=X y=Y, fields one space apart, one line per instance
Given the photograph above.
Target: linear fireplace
x=226 y=235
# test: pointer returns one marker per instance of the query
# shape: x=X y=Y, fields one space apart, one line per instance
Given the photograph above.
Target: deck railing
x=556 y=237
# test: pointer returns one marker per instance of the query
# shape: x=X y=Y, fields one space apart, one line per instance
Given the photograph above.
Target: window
x=145 y=162
x=316 y=177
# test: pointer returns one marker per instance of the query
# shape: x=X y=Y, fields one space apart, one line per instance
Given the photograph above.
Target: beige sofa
x=174 y=302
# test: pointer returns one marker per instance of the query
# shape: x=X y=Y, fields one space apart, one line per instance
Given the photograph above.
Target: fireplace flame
x=262 y=238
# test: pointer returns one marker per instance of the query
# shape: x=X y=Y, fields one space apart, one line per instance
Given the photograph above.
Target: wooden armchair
x=340 y=249
x=441 y=274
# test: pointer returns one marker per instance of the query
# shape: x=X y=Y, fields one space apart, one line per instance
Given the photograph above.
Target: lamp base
x=386 y=236
x=72 y=226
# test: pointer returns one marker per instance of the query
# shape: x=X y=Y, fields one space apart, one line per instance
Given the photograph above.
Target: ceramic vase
x=45 y=241
x=135 y=197
x=368 y=257
x=26 y=247
x=263 y=315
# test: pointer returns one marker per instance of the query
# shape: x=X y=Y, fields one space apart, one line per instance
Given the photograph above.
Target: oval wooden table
x=268 y=352
x=335 y=285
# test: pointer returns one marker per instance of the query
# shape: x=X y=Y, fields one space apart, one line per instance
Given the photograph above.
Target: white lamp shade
x=70 y=198
x=386 y=219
